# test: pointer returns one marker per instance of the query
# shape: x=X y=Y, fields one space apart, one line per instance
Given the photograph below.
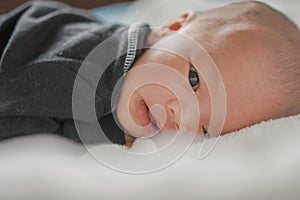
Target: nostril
x=171 y=111
x=172 y=107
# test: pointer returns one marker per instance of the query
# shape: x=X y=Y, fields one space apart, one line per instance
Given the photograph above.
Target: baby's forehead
x=247 y=21
x=252 y=14
x=244 y=11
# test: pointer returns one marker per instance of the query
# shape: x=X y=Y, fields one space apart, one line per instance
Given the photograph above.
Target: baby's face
x=239 y=38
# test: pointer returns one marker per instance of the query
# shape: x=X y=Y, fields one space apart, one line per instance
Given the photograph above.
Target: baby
x=256 y=50
x=43 y=44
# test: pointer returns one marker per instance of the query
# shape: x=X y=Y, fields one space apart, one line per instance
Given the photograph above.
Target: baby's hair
x=285 y=57
x=287 y=70
x=285 y=60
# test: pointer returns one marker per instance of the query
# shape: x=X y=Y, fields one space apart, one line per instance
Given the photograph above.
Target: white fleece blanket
x=261 y=162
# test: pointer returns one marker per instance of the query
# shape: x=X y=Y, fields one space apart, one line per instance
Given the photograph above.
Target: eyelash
x=193 y=76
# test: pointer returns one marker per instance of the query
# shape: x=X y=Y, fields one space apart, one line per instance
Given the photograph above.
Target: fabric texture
x=42 y=46
x=259 y=162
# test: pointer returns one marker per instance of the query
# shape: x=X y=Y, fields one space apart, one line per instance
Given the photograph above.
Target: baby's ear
x=173 y=25
x=180 y=21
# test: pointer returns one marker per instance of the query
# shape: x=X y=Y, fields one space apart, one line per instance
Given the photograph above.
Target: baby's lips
x=143 y=113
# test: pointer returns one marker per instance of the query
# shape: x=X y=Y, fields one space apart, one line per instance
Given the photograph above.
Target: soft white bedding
x=260 y=162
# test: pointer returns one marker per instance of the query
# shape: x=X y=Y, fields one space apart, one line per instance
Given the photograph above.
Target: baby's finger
x=129 y=140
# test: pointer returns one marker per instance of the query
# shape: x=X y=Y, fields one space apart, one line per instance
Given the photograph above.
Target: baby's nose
x=173 y=110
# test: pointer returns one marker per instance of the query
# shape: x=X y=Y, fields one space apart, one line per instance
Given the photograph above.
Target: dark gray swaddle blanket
x=42 y=46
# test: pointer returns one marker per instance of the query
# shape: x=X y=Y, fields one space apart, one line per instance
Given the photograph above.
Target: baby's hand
x=129 y=140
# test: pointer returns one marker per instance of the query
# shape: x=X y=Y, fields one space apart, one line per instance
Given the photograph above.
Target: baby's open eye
x=194 y=78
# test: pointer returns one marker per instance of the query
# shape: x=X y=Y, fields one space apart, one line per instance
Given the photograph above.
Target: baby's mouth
x=147 y=119
x=144 y=115
x=142 y=111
